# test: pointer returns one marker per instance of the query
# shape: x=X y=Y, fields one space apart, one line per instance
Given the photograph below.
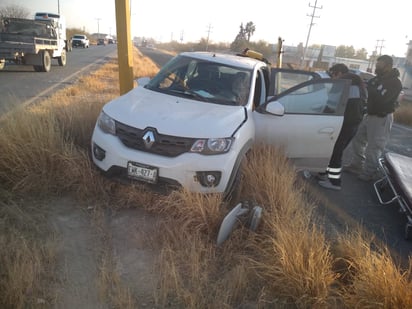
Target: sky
x=365 y=24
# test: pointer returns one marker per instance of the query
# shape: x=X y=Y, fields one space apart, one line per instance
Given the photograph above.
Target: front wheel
x=233 y=191
x=408 y=231
x=62 y=59
x=46 y=66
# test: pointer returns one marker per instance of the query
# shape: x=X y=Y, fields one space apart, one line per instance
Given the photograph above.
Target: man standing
x=374 y=131
x=331 y=179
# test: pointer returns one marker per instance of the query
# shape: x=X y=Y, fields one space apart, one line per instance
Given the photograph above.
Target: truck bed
x=22 y=36
x=12 y=45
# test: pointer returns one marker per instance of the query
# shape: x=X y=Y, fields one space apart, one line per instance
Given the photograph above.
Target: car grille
x=164 y=145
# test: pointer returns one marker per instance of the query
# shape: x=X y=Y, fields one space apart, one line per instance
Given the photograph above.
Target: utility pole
x=209 y=29
x=379 y=44
x=312 y=16
x=405 y=65
x=58 y=7
x=124 y=45
x=181 y=37
x=375 y=55
x=98 y=27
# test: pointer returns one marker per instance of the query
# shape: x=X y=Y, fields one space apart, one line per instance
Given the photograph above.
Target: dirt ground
x=95 y=247
x=107 y=258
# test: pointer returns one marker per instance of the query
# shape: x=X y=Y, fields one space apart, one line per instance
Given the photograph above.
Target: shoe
x=353 y=169
x=322 y=176
x=328 y=185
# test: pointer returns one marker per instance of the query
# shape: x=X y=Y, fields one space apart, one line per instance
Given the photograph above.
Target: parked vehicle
x=35 y=42
x=101 y=41
x=80 y=40
x=195 y=121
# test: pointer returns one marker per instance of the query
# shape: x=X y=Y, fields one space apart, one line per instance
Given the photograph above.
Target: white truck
x=33 y=42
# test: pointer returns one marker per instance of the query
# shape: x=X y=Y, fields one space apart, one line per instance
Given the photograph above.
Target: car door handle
x=329 y=131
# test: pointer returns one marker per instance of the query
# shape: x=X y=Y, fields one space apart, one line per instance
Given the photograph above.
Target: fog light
x=98 y=152
x=209 y=178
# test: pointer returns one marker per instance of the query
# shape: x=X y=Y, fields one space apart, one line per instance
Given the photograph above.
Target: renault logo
x=148 y=139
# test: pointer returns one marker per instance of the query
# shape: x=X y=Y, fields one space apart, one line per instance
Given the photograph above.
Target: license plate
x=142 y=172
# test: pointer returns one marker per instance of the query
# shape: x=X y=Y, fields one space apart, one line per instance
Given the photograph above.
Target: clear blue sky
x=360 y=23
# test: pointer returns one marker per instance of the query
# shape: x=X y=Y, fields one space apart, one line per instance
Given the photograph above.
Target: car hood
x=173 y=115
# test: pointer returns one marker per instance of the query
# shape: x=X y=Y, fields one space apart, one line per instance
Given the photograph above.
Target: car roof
x=229 y=59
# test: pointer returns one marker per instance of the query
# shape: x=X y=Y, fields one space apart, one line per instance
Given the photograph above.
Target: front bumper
x=182 y=170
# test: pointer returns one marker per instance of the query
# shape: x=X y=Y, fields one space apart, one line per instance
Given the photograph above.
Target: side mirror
x=275 y=108
x=143 y=81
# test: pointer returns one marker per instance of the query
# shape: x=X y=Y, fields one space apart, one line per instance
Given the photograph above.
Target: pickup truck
x=80 y=40
x=33 y=42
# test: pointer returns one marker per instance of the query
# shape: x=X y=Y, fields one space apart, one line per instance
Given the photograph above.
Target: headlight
x=106 y=124
x=212 y=146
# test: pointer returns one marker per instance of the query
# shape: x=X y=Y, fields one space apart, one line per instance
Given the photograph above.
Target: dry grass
x=27 y=264
x=403 y=114
x=372 y=278
x=289 y=262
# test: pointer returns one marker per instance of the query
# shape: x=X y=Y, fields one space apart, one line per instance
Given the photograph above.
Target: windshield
x=29 y=27
x=203 y=81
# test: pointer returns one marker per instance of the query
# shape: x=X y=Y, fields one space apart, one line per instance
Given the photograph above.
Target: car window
x=203 y=81
x=322 y=97
x=283 y=79
x=288 y=80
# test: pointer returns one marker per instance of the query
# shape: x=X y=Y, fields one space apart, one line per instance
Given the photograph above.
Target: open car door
x=303 y=116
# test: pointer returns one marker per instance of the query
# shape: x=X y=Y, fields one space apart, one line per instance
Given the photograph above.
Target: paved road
x=357 y=202
x=20 y=84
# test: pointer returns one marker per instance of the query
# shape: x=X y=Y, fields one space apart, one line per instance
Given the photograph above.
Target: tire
x=408 y=231
x=62 y=59
x=46 y=60
x=233 y=192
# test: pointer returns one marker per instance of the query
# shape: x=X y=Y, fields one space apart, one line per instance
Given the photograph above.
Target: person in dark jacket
x=331 y=179
x=374 y=131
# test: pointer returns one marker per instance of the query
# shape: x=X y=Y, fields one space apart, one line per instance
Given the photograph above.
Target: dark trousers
x=346 y=134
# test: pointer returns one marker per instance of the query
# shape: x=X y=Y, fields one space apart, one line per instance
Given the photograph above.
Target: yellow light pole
x=124 y=46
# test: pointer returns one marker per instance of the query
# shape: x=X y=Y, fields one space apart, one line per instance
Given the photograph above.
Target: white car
x=80 y=40
x=194 y=122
